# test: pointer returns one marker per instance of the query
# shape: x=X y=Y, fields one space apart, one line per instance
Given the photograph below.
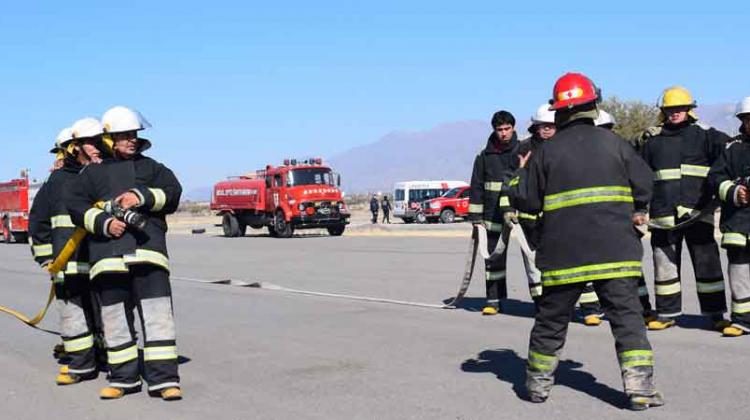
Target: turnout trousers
x=590 y=305
x=494 y=267
x=704 y=253
x=78 y=321
x=619 y=300
x=147 y=289
x=739 y=284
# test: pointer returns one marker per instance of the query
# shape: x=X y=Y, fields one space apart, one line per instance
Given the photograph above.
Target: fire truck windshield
x=451 y=193
x=310 y=176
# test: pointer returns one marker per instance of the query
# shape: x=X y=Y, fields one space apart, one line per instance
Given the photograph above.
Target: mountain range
x=445 y=151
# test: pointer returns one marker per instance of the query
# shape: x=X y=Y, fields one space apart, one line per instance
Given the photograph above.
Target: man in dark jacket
x=729 y=178
x=128 y=256
x=374 y=209
x=50 y=227
x=592 y=187
x=680 y=151
x=489 y=205
x=385 y=205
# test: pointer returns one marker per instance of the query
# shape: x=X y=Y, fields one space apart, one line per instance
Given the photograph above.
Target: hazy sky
x=231 y=86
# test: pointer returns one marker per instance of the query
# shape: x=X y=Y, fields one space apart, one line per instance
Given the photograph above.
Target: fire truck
x=16 y=197
x=452 y=204
x=300 y=194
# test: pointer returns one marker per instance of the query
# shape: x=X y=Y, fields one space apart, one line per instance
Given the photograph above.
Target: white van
x=408 y=195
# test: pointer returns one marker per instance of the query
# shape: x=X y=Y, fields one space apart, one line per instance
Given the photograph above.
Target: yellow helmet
x=677 y=96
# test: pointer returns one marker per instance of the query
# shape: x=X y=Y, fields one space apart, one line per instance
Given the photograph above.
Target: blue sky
x=230 y=86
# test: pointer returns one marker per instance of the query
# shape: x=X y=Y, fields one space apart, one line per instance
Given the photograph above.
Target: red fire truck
x=16 y=197
x=296 y=195
x=452 y=204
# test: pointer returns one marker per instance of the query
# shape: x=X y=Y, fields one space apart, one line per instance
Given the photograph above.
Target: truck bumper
x=319 y=221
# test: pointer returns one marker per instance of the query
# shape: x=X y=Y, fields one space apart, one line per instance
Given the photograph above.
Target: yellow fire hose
x=53 y=268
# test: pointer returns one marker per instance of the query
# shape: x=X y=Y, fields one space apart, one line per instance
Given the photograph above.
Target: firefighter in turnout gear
x=730 y=179
x=680 y=152
x=128 y=255
x=51 y=228
x=489 y=205
x=608 y=121
x=592 y=187
x=542 y=128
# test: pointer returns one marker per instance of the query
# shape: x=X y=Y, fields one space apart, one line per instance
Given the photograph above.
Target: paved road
x=261 y=354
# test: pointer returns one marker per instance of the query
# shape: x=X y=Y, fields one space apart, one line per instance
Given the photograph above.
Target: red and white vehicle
x=447 y=207
x=16 y=197
x=295 y=195
x=408 y=196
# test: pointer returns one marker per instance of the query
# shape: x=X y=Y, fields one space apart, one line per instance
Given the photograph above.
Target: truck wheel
x=230 y=225
x=421 y=218
x=7 y=236
x=21 y=237
x=407 y=220
x=337 y=230
x=282 y=228
x=447 y=216
x=271 y=231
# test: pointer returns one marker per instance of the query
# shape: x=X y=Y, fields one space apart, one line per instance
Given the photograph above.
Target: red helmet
x=573 y=89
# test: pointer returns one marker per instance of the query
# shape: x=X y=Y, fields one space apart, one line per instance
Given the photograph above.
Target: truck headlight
x=434 y=206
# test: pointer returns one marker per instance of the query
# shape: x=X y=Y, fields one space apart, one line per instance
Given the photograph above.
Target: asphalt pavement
x=250 y=353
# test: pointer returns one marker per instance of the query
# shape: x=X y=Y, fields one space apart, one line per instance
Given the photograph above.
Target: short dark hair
x=502 y=118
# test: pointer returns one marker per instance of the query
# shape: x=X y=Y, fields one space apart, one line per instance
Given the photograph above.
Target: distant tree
x=632 y=117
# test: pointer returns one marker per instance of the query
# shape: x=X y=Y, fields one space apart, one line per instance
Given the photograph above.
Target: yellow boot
x=171 y=394
x=111 y=393
x=489 y=310
x=67 y=379
x=592 y=320
x=731 y=331
x=63 y=368
x=661 y=324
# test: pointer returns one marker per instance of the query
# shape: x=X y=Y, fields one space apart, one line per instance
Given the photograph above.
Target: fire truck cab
x=16 y=197
x=296 y=195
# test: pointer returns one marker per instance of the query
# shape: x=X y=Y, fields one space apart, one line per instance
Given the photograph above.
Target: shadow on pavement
x=512 y=307
x=694 y=322
x=507 y=366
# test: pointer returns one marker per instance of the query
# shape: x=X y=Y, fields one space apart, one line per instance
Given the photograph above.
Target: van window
x=399 y=195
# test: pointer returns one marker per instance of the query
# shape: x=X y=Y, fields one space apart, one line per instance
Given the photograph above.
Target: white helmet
x=605 y=119
x=63 y=138
x=86 y=127
x=743 y=107
x=121 y=119
x=543 y=115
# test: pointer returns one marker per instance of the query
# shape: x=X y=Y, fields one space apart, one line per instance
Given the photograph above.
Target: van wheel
x=447 y=216
x=230 y=225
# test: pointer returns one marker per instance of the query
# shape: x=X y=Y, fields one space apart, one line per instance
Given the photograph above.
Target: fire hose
x=478 y=246
x=57 y=265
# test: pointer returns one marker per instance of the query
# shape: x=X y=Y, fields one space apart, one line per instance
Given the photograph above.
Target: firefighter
x=542 y=128
x=680 y=152
x=385 y=205
x=730 y=178
x=489 y=205
x=592 y=188
x=50 y=224
x=608 y=121
x=122 y=203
